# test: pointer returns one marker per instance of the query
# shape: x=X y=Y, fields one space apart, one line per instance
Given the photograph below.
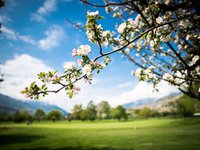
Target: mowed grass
x=151 y=134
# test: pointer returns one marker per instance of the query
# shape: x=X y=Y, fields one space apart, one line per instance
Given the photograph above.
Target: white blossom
x=121 y=27
x=159 y=20
x=152 y=43
x=138 y=72
x=127 y=51
x=83 y=50
x=87 y=69
x=93 y=14
x=80 y=62
x=76 y=90
x=107 y=60
x=167 y=76
x=68 y=65
x=194 y=59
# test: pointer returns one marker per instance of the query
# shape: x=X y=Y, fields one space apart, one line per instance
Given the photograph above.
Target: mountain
x=8 y=104
x=148 y=101
x=138 y=103
x=161 y=104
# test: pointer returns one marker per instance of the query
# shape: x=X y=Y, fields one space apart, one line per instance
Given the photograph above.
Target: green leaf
x=32 y=84
x=101 y=17
x=43 y=86
x=70 y=95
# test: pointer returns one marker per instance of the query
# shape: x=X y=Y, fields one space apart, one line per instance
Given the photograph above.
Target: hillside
x=161 y=104
x=8 y=104
x=138 y=103
x=152 y=102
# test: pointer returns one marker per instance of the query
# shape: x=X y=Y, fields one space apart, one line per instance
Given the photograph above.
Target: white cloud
x=27 y=39
x=37 y=18
x=48 y=7
x=10 y=34
x=144 y=90
x=125 y=85
x=54 y=35
x=19 y=72
x=4 y=19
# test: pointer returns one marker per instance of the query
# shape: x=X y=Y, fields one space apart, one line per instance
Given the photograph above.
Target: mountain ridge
x=149 y=101
x=10 y=105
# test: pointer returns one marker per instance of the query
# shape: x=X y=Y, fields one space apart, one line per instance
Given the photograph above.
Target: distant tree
x=25 y=114
x=69 y=117
x=6 y=117
x=17 y=117
x=55 y=115
x=87 y=114
x=133 y=113
x=21 y=116
x=76 y=112
x=155 y=113
x=185 y=106
x=103 y=110
x=118 y=113
x=145 y=112
x=91 y=106
x=39 y=115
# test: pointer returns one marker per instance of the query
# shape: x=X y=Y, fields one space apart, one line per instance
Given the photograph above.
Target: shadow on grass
x=13 y=139
x=76 y=148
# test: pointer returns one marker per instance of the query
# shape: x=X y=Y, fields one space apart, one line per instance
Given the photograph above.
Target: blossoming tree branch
x=161 y=37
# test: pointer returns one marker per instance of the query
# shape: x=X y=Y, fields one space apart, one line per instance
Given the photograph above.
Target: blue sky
x=36 y=37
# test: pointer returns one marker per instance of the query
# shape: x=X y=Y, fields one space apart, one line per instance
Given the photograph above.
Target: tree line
x=103 y=110
x=182 y=107
x=38 y=115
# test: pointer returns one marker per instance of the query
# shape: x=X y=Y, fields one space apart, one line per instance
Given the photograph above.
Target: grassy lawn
x=152 y=134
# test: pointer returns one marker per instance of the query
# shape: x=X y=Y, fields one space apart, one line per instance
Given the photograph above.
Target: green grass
x=152 y=134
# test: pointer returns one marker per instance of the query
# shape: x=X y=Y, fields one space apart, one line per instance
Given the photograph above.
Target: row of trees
x=182 y=107
x=101 y=111
x=39 y=115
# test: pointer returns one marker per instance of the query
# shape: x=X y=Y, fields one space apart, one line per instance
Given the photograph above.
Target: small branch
x=175 y=52
x=136 y=38
x=98 y=40
x=106 y=5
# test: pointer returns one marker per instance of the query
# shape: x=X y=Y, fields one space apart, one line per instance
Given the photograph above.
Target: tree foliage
x=103 y=110
x=87 y=114
x=76 y=111
x=185 y=106
x=39 y=115
x=145 y=112
x=118 y=113
x=55 y=115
